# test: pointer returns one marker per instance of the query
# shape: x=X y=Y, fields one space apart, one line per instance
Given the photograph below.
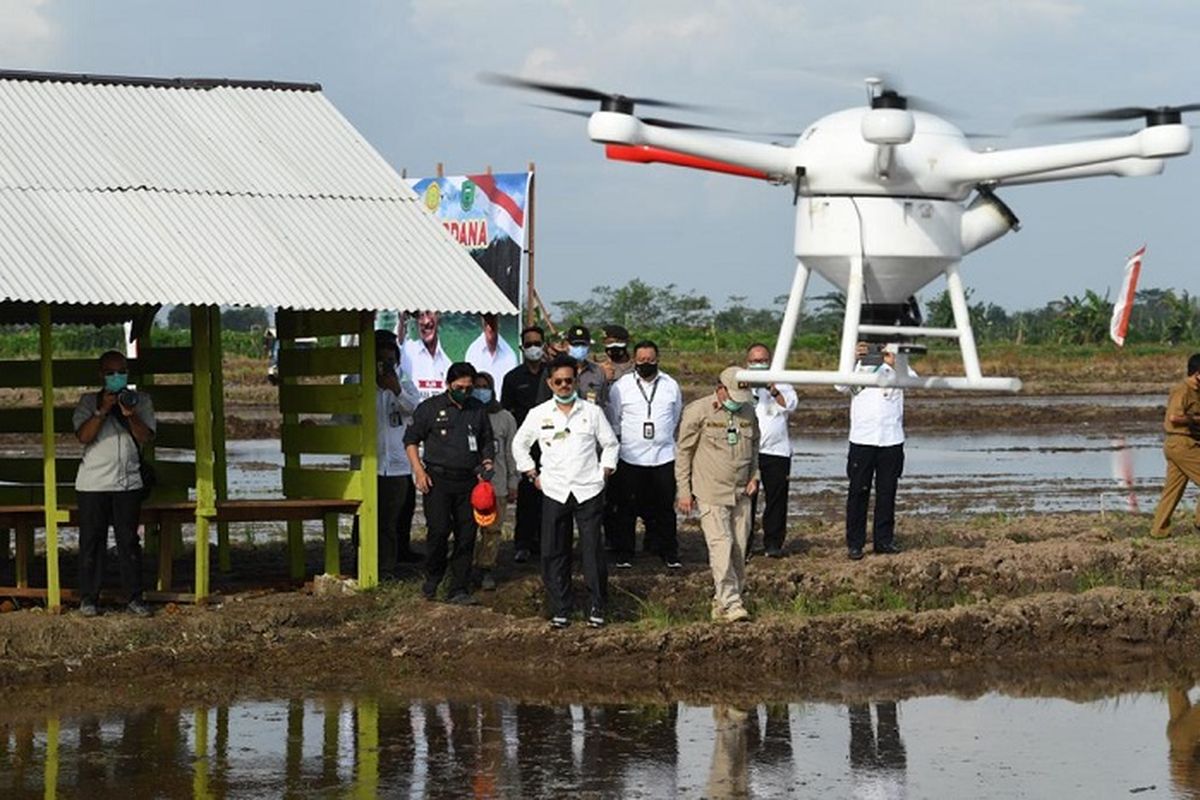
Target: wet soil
x=1016 y=599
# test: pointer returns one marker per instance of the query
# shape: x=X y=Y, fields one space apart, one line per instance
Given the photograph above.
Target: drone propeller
x=608 y=101
x=667 y=123
x=1157 y=115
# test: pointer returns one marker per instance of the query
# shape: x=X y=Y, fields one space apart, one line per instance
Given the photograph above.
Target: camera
x=128 y=398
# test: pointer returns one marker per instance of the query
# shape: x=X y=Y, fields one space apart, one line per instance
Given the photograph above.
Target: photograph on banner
x=486 y=213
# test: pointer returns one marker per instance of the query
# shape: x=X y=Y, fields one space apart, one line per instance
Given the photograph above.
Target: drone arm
x=610 y=127
x=1155 y=142
x=1121 y=168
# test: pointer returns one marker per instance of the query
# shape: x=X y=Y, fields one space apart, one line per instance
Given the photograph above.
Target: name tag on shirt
x=471 y=443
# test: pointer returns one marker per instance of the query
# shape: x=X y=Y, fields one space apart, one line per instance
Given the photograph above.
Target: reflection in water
x=384 y=746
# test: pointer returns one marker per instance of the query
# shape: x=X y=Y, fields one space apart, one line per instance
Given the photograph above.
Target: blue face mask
x=115 y=382
x=483 y=395
x=732 y=406
x=566 y=399
x=579 y=351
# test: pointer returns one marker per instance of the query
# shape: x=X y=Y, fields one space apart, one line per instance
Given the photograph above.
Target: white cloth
x=393 y=412
x=773 y=419
x=877 y=414
x=427 y=372
x=631 y=403
x=110 y=461
x=497 y=365
x=576 y=449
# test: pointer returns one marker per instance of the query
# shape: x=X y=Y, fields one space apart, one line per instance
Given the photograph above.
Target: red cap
x=483 y=501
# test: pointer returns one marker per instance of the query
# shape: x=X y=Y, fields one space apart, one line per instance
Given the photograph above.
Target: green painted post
x=333 y=556
x=202 y=409
x=291 y=460
x=200 y=789
x=221 y=468
x=368 y=511
x=366 y=728
x=49 y=473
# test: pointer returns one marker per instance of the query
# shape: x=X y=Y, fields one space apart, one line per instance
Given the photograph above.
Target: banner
x=1123 y=307
x=486 y=213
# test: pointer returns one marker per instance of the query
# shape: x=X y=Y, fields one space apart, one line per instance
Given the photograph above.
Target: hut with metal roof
x=121 y=194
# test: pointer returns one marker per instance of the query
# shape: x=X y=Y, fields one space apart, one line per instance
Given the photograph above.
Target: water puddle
x=368 y=746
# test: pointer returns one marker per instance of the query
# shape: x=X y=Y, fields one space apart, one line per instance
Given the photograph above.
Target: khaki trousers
x=727 y=532
x=487 y=543
x=1183 y=465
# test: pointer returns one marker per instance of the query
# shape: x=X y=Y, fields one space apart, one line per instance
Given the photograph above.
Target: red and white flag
x=1124 y=305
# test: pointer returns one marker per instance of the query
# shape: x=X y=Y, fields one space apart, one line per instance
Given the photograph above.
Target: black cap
x=579 y=335
x=617 y=332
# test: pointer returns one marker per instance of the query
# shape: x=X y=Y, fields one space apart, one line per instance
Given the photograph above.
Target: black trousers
x=528 y=532
x=97 y=512
x=774 y=473
x=649 y=493
x=448 y=512
x=394 y=492
x=558 y=522
x=404 y=522
x=883 y=466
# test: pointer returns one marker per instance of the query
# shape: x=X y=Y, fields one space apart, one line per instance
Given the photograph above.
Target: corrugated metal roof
x=217 y=193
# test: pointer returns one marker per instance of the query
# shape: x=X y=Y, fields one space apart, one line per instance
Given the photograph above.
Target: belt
x=451 y=472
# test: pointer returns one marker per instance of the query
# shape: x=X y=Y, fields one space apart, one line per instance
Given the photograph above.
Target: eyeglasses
x=110 y=372
x=561 y=381
x=531 y=344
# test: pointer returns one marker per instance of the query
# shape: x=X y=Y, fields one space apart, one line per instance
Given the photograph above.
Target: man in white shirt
x=876 y=455
x=578 y=454
x=395 y=402
x=772 y=404
x=490 y=353
x=644 y=407
x=423 y=360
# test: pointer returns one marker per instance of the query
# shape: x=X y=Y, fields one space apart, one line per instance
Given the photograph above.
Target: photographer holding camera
x=112 y=424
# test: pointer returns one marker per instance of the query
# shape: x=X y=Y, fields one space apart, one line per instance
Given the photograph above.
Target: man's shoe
x=409 y=557
x=139 y=609
x=889 y=549
x=854 y=554
x=737 y=614
x=558 y=623
x=487 y=582
x=88 y=609
x=595 y=619
x=463 y=599
x=674 y=563
x=624 y=564
x=521 y=556
x=774 y=552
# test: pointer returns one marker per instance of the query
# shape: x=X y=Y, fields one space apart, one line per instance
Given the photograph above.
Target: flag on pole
x=1124 y=305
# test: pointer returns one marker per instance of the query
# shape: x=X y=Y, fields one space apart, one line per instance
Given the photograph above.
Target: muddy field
x=978 y=596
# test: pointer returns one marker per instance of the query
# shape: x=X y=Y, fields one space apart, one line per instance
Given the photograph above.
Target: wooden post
x=368 y=511
x=530 y=292
x=333 y=556
x=291 y=460
x=202 y=411
x=441 y=171
x=49 y=472
x=220 y=468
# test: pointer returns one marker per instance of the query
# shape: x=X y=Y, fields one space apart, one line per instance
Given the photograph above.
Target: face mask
x=460 y=395
x=534 y=352
x=116 y=382
x=579 y=351
x=647 y=371
x=484 y=395
x=617 y=353
x=759 y=365
x=731 y=406
x=566 y=399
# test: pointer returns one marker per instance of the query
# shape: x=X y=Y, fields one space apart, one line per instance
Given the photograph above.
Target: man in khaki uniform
x=1181 y=448
x=716 y=470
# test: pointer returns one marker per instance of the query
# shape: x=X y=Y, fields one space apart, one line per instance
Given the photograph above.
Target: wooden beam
x=202 y=404
x=368 y=510
x=220 y=465
x=49 y=474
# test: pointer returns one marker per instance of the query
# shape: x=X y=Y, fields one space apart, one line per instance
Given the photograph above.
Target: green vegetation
x=87 y=341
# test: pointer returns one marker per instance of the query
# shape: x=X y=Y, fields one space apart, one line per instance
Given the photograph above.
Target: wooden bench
x=26 y=518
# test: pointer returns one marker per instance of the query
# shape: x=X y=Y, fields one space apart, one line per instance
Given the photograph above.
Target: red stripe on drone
x=644 y=154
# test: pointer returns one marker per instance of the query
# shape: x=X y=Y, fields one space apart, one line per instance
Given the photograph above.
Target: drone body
x=881 y=196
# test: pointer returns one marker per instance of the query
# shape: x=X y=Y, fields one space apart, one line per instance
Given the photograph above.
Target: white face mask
x=534 y=352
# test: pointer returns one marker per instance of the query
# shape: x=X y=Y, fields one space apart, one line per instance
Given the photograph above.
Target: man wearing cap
x=454 y=429
x=876 y=453
x=524 y=388
x=616 y=348
x=772 y=404
x=490 y=353
x=579 y=453
x=716 y=472
x=589 y=381
x=644 y=409
x=1181 y=447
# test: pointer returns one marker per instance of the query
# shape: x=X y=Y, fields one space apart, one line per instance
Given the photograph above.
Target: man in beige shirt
x=1181 y=448
x=716 y=472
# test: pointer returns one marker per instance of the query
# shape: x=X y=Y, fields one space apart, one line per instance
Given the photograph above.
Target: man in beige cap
x=716 y=471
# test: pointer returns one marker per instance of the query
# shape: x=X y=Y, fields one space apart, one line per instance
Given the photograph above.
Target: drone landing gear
x=862 y=323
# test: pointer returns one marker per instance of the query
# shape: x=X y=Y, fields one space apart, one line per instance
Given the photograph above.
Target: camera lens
x=128 y=398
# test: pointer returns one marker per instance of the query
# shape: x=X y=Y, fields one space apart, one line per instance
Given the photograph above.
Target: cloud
x=28 y=36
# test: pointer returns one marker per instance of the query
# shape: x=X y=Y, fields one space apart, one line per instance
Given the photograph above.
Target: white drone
x=880 y=194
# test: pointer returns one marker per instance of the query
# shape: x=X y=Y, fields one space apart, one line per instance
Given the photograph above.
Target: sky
x=404 y=73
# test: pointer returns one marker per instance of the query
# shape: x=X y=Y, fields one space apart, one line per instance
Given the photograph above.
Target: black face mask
x=647 y=371
x=619 y=355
